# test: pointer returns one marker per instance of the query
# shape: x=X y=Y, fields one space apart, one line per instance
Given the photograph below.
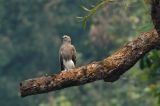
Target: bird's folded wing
x=61 y=61
x=74 y=55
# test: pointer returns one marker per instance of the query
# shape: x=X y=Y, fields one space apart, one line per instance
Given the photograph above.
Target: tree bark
x=109 y=69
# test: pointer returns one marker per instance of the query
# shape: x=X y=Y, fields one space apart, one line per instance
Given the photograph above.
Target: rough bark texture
x=109 y=69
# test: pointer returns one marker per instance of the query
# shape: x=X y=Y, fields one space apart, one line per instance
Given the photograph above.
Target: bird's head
x=66 y=39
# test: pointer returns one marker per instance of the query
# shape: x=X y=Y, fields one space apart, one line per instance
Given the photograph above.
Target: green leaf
x=141 y=64
x=148 y=62
x=86 y=9
x=145 y=27
x=79 y=17
x=84 y=22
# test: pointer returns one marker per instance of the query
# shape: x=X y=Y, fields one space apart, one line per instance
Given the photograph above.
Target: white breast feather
x=68 y=64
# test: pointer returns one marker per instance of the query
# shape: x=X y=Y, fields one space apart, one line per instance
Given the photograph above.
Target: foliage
x=30 y=35
x=93 y=10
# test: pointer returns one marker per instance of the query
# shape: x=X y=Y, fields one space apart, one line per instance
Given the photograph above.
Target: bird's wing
x=61 y=60
x=74 y=55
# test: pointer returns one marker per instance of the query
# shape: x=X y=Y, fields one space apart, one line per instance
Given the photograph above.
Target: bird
x=67 y=54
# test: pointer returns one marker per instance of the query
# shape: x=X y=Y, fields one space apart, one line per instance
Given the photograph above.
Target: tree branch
x=109 y=69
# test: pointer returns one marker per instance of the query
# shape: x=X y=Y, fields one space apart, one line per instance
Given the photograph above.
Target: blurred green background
x=30 y=37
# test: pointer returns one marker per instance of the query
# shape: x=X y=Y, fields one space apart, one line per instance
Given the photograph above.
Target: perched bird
x=67 y=54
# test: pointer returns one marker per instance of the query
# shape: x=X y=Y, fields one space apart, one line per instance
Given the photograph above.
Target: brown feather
x=67 y=52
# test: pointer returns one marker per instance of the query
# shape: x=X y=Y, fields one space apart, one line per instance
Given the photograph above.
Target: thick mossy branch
x=108 y=69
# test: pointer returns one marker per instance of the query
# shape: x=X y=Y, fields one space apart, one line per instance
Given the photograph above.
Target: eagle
x=67 y=54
